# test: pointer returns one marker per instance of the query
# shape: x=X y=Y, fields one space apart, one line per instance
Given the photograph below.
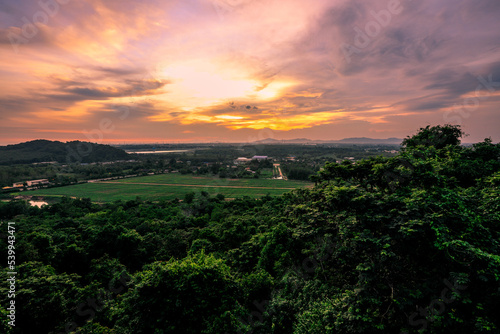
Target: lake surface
x=159 y=152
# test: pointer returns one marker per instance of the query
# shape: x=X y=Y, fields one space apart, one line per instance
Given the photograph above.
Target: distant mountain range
x=355 y=140
x=48 y=151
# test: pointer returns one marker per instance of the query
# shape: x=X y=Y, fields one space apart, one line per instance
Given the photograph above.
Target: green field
x=170 y=186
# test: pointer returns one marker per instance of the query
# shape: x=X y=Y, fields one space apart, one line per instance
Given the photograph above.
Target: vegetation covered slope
x=46 y=150
x=402 y=245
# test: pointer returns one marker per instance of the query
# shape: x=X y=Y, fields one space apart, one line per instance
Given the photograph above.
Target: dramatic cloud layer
x=238 y=70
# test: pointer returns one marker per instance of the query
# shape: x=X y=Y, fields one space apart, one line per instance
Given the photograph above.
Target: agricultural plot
x=171 y=186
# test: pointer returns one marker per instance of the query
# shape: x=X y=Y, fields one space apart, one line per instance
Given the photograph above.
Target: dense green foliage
x=65 y=174
x=386 y=245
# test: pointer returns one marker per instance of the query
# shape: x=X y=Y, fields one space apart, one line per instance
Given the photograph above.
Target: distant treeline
x=33 y=160
x=70 y=152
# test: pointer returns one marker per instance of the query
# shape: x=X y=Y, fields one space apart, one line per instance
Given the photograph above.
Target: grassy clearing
x=170 y=186
x=175 y=178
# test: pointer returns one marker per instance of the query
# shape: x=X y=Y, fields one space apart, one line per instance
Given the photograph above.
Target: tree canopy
x=408 y=244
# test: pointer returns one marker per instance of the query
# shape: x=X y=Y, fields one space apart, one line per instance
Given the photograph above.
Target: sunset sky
x=121 y=71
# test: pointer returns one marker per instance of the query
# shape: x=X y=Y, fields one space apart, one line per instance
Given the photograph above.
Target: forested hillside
x=46 y=150
x=386 y=245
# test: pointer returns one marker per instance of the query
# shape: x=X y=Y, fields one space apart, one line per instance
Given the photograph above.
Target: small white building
x=259 y=157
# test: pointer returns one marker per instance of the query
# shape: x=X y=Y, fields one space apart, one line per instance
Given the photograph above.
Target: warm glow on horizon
x=233 y=69
x=287 y=123
x=228 y=117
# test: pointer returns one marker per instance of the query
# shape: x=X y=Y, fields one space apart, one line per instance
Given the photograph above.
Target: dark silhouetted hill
x=45 y=150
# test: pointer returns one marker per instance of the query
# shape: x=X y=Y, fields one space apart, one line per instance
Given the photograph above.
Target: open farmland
x=171 y=186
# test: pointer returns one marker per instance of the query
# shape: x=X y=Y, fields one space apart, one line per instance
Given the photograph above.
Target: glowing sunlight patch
x=228 y=117
x=285 y=123
x=203 y=84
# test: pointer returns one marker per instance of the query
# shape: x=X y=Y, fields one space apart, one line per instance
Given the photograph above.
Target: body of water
x=159 y=152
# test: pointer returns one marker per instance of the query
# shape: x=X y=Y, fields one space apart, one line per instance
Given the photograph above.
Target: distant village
x=240 y=163
x=295 y=162
x=43 y=183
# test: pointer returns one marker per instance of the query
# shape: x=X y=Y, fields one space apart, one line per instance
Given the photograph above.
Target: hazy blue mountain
x=356 y=140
